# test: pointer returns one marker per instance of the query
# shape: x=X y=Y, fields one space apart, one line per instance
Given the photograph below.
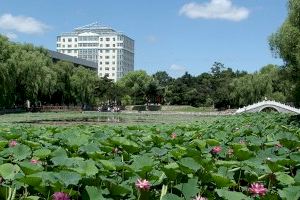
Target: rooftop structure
x=56 y=56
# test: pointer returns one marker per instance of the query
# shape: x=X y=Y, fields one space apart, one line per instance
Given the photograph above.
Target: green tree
x=83 y=83
x=163 y=78
x=63 y=93
x=26 y=64
x=135 y=84
x=5 y=78
x=255 y=87
x=286 y=44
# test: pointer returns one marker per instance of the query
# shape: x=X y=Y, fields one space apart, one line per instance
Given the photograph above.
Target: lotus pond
x=235 y=158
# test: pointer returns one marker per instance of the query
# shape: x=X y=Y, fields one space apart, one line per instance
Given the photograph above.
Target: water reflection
x=94 y=119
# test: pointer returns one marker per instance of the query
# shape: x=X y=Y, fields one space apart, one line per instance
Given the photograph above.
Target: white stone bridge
x=258 y=107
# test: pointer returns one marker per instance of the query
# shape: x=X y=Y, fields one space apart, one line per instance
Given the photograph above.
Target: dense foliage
x=232 y=158
x=28 y=73
x=286 y=44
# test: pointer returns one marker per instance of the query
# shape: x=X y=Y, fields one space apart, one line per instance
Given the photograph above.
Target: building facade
x=111 y=50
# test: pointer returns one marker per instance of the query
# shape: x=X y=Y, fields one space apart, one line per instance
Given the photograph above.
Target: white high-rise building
x=112 y=50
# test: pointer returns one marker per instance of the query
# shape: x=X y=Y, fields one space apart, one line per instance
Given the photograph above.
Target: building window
x=106 y=74
x=107 y=45
x=75 y=39
x=114 y=39
x=106 y=68
x=75 y=45
x=107 y=51
x=114 y=45
x=106 y=57
x=69 y=39
x=64 y=40
x=100 y=57
x=100 y=63
x=63 y=46
x=69 y=46
x=101 y=39
x=107 y=39
x=113 y=63
x=101 y=45
x=58 y=39
x=69 y=51
x=113 y=68
x=107 y=63
x=113 y=74
x=100 y=51
x=114 y=57
x=58 y=45
x=100 y=68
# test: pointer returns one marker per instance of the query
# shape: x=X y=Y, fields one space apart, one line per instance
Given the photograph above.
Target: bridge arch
x=268 y=106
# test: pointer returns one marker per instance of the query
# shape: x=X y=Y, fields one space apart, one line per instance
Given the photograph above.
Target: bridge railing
x=268 y=103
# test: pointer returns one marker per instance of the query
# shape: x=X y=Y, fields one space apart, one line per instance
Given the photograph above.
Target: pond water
x=94 y=120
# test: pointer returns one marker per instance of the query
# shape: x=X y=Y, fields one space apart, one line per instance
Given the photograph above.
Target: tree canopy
x=28 y=73
x=285 y=43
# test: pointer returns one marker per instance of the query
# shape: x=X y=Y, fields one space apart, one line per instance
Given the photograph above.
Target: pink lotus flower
x=142 y=184
x=13 y=143
x=60 y=196
x=173 y=136
x=199 y=198
x=257 y=189
x=216 y=149
x=34 y=161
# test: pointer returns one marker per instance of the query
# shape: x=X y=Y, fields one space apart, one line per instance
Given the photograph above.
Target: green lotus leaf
x=243 y=154
x=128 y=145
x=3 y=144
x=30 y=168
x=142 y=163
x=222 y=181
x=9 y=171
x=107 y=164
x=170 y=196
x=190 y=163
x=68 y=178
x=94 y=193
x=290 y=193
x=229 y=195
x=297 y=177
x=212 y=142
x=189 y=189
x=21 y=152
x=284 y=179
x=86 y=168
x=42 y=153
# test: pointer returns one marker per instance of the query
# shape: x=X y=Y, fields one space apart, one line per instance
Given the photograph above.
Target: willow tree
x=285 y=43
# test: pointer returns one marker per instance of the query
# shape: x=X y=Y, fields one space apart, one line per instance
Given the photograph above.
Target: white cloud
x=22 y=24
x=11 y=36
x=215 y=9
x=178 y=68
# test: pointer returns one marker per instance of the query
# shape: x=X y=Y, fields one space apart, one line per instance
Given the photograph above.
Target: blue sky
x=170 y=35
